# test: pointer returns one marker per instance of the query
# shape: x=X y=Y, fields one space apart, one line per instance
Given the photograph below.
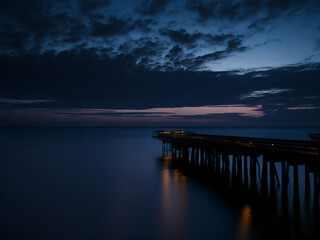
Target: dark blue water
x=103 y=183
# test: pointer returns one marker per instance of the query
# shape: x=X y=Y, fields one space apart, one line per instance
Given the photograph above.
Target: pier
x=278 y=178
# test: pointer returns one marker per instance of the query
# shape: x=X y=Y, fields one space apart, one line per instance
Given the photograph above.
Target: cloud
x=33 y=25
x=43 y=26
x=92 y=5
x=259 y=11
x=145 y=25
x=93 y=116
x=175 y=53
x=85 y=79
x=152 y=7
x=157 y=54
x=242 y=110
x=13 y=41
x=257 y=15
x=303 y=107
x=115 y=80
x=23 y=101
x=146 y=47
x=258 y=75
x=262 y=93
x=259 y=24
x=39 y=26
x=114 y=26
x=181 y=36
x=120 y=26
x=204 y=10
x=197 y=63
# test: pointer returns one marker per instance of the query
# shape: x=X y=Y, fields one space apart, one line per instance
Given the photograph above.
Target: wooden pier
x=296 y=146
x=256 y=170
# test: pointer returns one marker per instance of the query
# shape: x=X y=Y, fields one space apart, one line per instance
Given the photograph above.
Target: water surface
x=104 y=183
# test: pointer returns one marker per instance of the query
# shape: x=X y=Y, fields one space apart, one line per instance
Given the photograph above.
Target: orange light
x=245 y=222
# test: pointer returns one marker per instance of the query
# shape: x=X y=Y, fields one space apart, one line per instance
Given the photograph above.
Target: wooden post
x=307 y=182
x=296 y=196
x=272 y=185
x=316 y=198
x=245 y=170
x=284 y=189
x=264 y=181
x=253 y=175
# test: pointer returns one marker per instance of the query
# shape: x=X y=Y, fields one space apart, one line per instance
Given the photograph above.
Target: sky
x=160 y=63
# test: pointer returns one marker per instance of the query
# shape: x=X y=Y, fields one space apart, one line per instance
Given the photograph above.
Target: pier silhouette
x=277 y=181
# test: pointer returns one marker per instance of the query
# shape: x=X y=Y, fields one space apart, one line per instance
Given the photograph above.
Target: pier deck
x=265 y=146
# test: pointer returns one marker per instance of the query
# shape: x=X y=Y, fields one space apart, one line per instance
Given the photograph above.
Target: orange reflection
x=179 y=177
x=173 y=200
x=245 y=223
x=166 y=184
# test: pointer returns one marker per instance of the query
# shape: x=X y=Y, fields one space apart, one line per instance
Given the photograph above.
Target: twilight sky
x=160 y=63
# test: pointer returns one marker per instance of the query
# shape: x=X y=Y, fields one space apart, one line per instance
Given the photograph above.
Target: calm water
x=101 y=183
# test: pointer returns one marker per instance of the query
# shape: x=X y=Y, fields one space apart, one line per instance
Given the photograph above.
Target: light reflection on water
x=245 y=223
x=174 y=205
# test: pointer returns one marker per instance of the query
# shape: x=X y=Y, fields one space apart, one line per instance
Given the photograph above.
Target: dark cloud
x=149 y=48
x=20 y=9
x=204 y=10
x=178 y=57
x=14 y=41
x=181 y=36
x=230 y=10
x=175 y=52
x=257 y=12
x=29 y=25
x=145 y=25
x=143 y=49
x=87 y=79
x=259 y=24
x=75 y=34
x=83 y=79
x=120 y=26
x=115 y=26
x=40 y=25
x=146 y=51
x=92 y=5
x=37 y=26
x=196 y=63
x=18 y=21
x=152 y=7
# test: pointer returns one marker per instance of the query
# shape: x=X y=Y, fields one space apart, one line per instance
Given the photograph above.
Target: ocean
x=112 y=183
